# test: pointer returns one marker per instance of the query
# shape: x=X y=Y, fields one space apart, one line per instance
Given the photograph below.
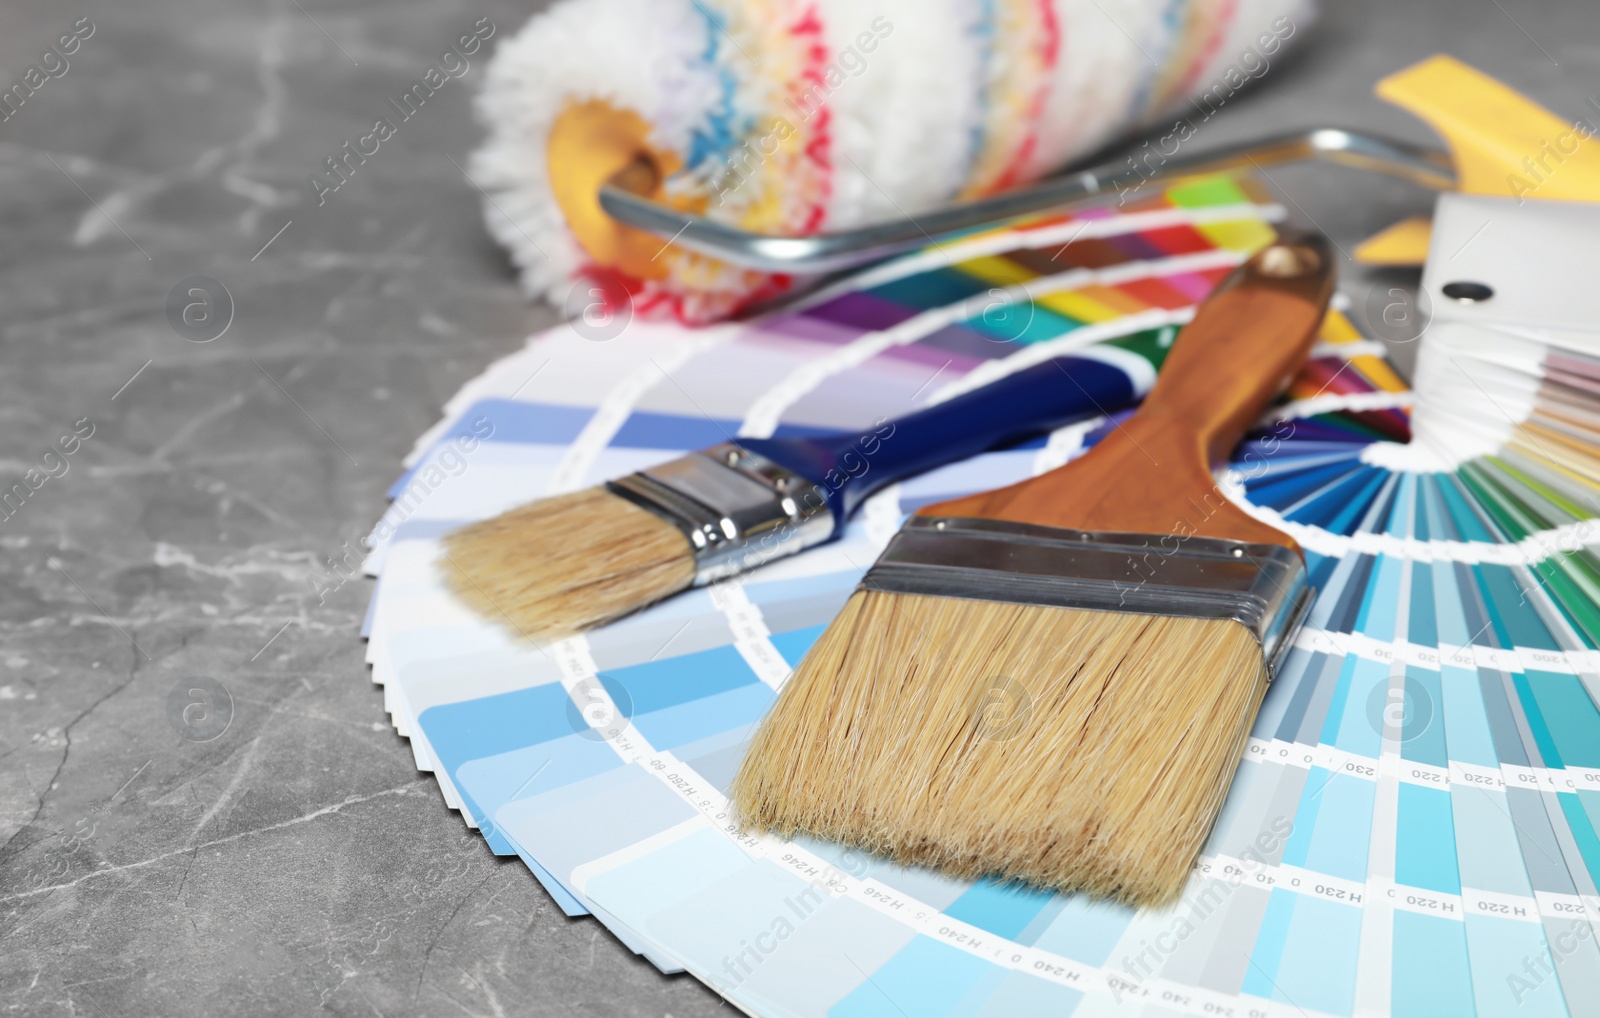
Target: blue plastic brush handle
x=849 y=466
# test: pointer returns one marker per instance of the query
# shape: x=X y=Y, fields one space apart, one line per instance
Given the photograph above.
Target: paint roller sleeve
x=797 y=116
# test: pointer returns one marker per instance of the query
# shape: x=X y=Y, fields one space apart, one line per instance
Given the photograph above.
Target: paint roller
x=795 y=118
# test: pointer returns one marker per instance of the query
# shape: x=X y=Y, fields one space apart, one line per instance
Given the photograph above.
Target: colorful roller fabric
x=799 y=116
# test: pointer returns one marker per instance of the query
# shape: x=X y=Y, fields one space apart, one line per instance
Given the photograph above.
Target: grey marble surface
x=298 y=862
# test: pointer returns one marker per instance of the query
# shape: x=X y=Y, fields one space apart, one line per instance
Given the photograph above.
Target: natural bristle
x=1071 y=749
x=562 y=565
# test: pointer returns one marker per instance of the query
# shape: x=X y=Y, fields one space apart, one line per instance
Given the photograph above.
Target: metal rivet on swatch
x=1467 y=292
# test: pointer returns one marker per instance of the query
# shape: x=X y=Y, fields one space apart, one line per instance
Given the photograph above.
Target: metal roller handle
x=829 y=252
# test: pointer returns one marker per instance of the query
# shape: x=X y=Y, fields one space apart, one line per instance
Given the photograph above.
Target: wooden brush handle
x=1153 y=473
x=1245 y=344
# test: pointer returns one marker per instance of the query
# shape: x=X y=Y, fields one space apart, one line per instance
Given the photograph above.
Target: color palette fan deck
x=1413 y=827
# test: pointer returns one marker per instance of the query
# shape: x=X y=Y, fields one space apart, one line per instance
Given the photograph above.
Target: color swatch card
x=1412 y=829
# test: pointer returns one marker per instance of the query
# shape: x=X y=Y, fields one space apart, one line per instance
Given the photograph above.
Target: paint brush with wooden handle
x=1054 y=681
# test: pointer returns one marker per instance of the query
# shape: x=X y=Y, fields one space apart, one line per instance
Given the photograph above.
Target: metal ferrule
x=737 y=508
x=1261 y=586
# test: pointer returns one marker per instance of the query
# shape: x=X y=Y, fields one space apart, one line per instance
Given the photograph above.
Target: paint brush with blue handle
x=564 y=564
